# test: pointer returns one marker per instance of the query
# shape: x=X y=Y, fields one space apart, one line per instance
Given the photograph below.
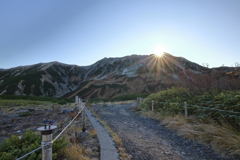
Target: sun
x=159 y=51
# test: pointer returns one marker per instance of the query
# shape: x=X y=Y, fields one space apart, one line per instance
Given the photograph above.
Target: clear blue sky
x=82 y=32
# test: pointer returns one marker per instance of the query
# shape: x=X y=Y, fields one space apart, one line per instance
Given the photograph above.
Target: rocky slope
x=106 y=78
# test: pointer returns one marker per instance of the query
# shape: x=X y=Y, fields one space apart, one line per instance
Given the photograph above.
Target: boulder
x=22 y=111
x=134 y=105
x=66 y=111
x=31 y=109
x=6 y=121
x=84 y=136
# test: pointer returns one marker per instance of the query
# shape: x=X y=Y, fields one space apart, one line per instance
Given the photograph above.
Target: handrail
x=83 y=106
x=216 y=109
x=31 y=152
x=67 y=125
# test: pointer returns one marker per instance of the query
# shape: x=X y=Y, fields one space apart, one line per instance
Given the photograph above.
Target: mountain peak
x=107 y=78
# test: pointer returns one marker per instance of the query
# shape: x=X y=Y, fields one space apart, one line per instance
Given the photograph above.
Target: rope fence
x=31 y=152
x=48 y=153
x=215 y=109
x=67 y=126
x=186 y=106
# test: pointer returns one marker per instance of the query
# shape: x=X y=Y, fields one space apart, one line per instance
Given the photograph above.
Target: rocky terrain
x=16 y=120
x=147 y=139
x=105 y=79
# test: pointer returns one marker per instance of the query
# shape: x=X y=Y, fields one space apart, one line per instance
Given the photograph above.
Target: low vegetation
x=13 y=100
x=216 y=123
x=16 y=147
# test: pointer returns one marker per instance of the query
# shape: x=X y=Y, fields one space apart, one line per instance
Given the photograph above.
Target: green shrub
x=171 y=102
x=24 y=114
x=129 y=97
x=15 y=147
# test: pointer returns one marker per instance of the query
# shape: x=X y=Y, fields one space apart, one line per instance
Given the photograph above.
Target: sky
x=82 y=32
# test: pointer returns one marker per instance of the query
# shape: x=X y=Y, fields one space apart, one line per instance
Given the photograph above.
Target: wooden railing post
x=46 y=132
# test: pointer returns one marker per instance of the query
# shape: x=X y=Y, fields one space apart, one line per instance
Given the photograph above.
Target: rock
x=76 y=109
x=104 y=105
x=48 y=122
x=58 y=131
x=51 y=110
x=6 y=121
x=14 y=116
x=31 y=109
x=84 y=136
x=8 y=126
x=3 y=133
x=134 y=105
x=66 y=111
x=183 y=153
x=22 y=111
x=17 y=128
x=89 y=151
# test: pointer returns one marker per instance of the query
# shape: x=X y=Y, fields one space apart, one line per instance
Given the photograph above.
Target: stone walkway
x=107 y=149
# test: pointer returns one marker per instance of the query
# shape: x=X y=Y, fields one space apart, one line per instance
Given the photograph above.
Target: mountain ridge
x=106 y=78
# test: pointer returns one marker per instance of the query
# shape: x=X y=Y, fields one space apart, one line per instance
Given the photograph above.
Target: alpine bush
x=14 y=147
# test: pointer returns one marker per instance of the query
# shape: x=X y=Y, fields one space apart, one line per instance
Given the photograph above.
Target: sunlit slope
x=107 y=78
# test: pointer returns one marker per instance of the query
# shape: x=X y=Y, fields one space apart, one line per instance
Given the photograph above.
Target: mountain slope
x=107 y=78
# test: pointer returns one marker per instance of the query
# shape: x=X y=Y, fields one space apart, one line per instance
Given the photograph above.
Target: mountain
x=107 y=78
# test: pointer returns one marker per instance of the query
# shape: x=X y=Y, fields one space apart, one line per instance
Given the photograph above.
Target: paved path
x=107 y=149
x=147 y=139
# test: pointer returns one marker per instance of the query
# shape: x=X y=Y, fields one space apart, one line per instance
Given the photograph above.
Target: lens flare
x=159 y=51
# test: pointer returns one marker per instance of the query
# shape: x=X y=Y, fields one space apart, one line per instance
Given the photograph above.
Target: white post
x=79 y=103
x=152 y=104
x=185 y=110
x=76 y=100
x=83 y=117
x=46 y=132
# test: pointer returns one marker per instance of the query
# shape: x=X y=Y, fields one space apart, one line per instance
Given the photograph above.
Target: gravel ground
x=147 y=139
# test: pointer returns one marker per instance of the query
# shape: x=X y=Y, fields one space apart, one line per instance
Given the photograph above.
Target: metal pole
x=185 y=110
x=46 y=132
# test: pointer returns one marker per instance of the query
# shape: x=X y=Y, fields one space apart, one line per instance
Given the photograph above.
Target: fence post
x=79 y=103
x=46 y=132
x=152 y=104
x=83 y=117
x=76 y=100
x=185 y=110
